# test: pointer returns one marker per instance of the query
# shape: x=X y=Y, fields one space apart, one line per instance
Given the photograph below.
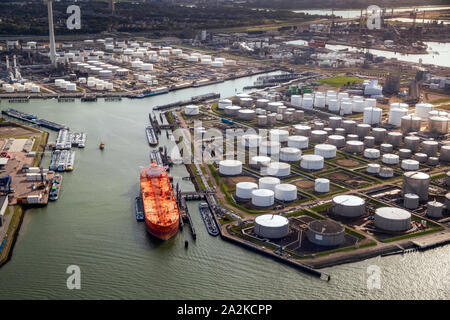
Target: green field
x=340 y=81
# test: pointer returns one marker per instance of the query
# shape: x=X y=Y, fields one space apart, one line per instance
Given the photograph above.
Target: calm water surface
x=93 y=226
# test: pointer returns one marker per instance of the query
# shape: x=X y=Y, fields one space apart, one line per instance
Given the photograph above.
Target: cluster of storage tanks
x=266 y=191
x=21 y=87
x=91 y=82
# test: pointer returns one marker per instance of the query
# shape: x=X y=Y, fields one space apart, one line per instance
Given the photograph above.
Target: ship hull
x=162 y=232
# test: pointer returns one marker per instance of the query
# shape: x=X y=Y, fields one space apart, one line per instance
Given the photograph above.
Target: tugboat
x=56 y=187
x=102 y=146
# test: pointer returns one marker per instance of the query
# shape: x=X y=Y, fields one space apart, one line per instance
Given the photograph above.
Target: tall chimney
x=52 y=45
x=112 y=6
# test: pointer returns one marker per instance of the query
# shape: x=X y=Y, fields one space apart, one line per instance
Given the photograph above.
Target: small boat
x=102 y=146
x=56 y=187
x=139 y=207
x=316 y=43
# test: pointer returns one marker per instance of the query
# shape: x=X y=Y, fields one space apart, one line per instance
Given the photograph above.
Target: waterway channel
x=93 y=226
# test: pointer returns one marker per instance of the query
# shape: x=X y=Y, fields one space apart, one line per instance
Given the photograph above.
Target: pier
x=193 y=100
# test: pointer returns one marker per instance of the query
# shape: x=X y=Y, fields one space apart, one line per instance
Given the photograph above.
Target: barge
x=208 y=219
x=151 y=136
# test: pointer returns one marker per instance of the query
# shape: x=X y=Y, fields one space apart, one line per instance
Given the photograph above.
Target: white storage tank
x=279 y=135
x=232 y=110
x=251 y=140
x=435 y=209
x=422 y=110
x=373 y=168
x=410 y=165
x=319 y=136
x=271 y=226
x=394 y=138
x=268 y=183
x=230 y=167
x=392 y=219
x=191 y=110
x=259 y=161
x=286 y=192
x=355 y=147
x=390 y=159
x=302 y=130
x=410 y=123
x=411 y=201
x=336 y=140
x=246 y=114
x=296 y=100
x=279 y=169
x=263 y=197
x=412 y=143
x=348 y=206
x=417 y=183
x=395 y=116
x=371 y=153
x=244 y=189
x=269 y=147
x=312 y=162
x=299 y=142
x=322 y=185
x=327 y=151
x=290 y=154
x=224 y=103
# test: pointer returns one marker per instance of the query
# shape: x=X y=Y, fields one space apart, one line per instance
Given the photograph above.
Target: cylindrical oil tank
x=271 y=226
x=444 y=155
x=246 y=114
x=412 y=143
x=352 y=137
x=272 y=119
x=348 y=206
x=263 y=197
x=279 y=169
x=246 y=102
x=333 y=105
x=340 y=131
x=281 y=109
x=312 y=162
x=328 y=130
x=334 y=122
x=386 y=147
x=379 y=134
x=299 y=115
x=230 y=167
x=273 y=106
x=410 y=123
x=318 y=136
x=296 y=100
x=392 y=219
x=371 y=153
x=395 y=116
x=404 y=153
x=319 y=102
x=308 y=102
x=251 y=140
x=358 y=105
x=319 y=125
x=279 y=135
x=269 y=147
x=363 y=130
x=372 y=115
x=346 y=108
x=390 y=159
x=232 y=110
x=411 y=201
x=430 y=148
x=321 y=185
x=259 y=161
x=290 y=154
x=417 y=183
x=433 y=161
x=447 y=201
x=369 y=141
x=286 y=192
x=262 y=120
x=386 y=172
x=422 y=110
x=288 y=117
x=302 y=130
x=327 y=151
x=349 y=126
x=355 y=147
x=410 y=165
x=262 y=103
x=244 y=189
x=438 y=124
x=268 y=183
x=299 y=142
x=336 y=140
x=325 y=233
x=373 y=168
x=224 y=103
x=435 y=209
x=394 y=138
x=421 y=157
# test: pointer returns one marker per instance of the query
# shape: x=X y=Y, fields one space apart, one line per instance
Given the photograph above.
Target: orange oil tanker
x=160 y=208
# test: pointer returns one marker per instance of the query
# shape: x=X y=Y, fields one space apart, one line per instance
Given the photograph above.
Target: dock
x=33 y=119
x=193 y=100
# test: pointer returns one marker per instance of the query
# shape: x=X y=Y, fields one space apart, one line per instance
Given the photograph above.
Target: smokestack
x=52 y=45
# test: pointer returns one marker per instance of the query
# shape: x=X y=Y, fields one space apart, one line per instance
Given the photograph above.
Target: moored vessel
x=160 y=207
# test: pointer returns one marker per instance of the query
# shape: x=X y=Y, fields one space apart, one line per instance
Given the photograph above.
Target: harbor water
x=93 y=226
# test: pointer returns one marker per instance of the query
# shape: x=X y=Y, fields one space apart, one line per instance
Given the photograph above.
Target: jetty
x=193 y=100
